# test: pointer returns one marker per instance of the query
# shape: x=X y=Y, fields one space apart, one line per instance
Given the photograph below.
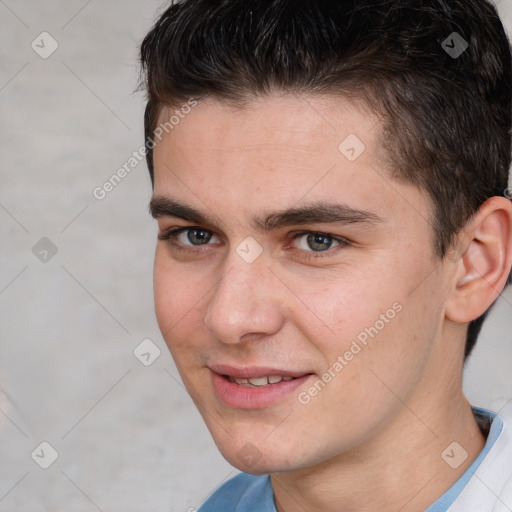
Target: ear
x=483 y=261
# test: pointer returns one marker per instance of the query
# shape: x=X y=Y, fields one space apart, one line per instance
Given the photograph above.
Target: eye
x=189 y=236
x=316 y=242
x=195 y=236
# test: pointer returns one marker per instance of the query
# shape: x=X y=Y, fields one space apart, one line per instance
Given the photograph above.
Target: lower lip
x=242 y=397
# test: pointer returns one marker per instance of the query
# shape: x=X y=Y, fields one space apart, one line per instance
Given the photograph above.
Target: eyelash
x=171 y=235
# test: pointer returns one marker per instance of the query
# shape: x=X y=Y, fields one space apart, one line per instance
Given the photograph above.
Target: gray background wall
x=127 y=436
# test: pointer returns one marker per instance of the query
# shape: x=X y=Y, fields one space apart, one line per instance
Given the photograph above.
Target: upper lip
x=250 y=372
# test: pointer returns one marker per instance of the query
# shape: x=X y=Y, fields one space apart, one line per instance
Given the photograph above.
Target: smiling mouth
x=255 y=387
x=256 y=382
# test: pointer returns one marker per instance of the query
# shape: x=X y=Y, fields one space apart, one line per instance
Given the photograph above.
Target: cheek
x=176 y=297
x=376 y=325
x=348 y=306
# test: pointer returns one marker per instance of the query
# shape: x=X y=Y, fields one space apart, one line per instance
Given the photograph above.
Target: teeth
x=260 y=381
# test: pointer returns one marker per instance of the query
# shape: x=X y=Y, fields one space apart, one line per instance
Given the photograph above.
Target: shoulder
x=490 y=486
x=242 y=493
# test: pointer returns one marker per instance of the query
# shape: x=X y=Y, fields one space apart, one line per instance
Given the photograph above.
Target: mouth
x=255 y=387
x=256 y=382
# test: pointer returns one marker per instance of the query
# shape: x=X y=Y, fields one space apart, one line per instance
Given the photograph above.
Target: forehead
x=278 y=122
x=279 y=151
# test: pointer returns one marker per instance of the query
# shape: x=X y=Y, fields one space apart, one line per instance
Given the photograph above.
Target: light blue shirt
x=249 y=493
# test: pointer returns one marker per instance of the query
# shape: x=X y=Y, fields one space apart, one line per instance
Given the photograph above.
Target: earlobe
x=484 y=264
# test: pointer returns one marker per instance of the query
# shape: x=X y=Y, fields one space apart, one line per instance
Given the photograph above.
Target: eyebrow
x=165 y=207
x=316 y=213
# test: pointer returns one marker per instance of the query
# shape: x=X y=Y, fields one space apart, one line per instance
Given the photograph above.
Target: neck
x=391 y=472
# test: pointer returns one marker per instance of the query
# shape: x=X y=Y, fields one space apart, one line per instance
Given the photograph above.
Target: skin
x=384 y=420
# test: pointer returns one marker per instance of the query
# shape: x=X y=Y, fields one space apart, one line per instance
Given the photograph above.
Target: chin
x=264 y=466
x=258 y=457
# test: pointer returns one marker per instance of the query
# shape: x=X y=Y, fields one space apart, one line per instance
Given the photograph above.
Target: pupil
x=199 y=236
x=319 y=242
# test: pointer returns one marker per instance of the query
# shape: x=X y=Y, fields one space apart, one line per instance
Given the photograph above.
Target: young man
x=329 y=186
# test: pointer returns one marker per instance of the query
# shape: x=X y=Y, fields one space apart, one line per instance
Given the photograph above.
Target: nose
x=246 y=304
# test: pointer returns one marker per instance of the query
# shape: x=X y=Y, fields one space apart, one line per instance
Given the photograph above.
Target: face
x=295 y=281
